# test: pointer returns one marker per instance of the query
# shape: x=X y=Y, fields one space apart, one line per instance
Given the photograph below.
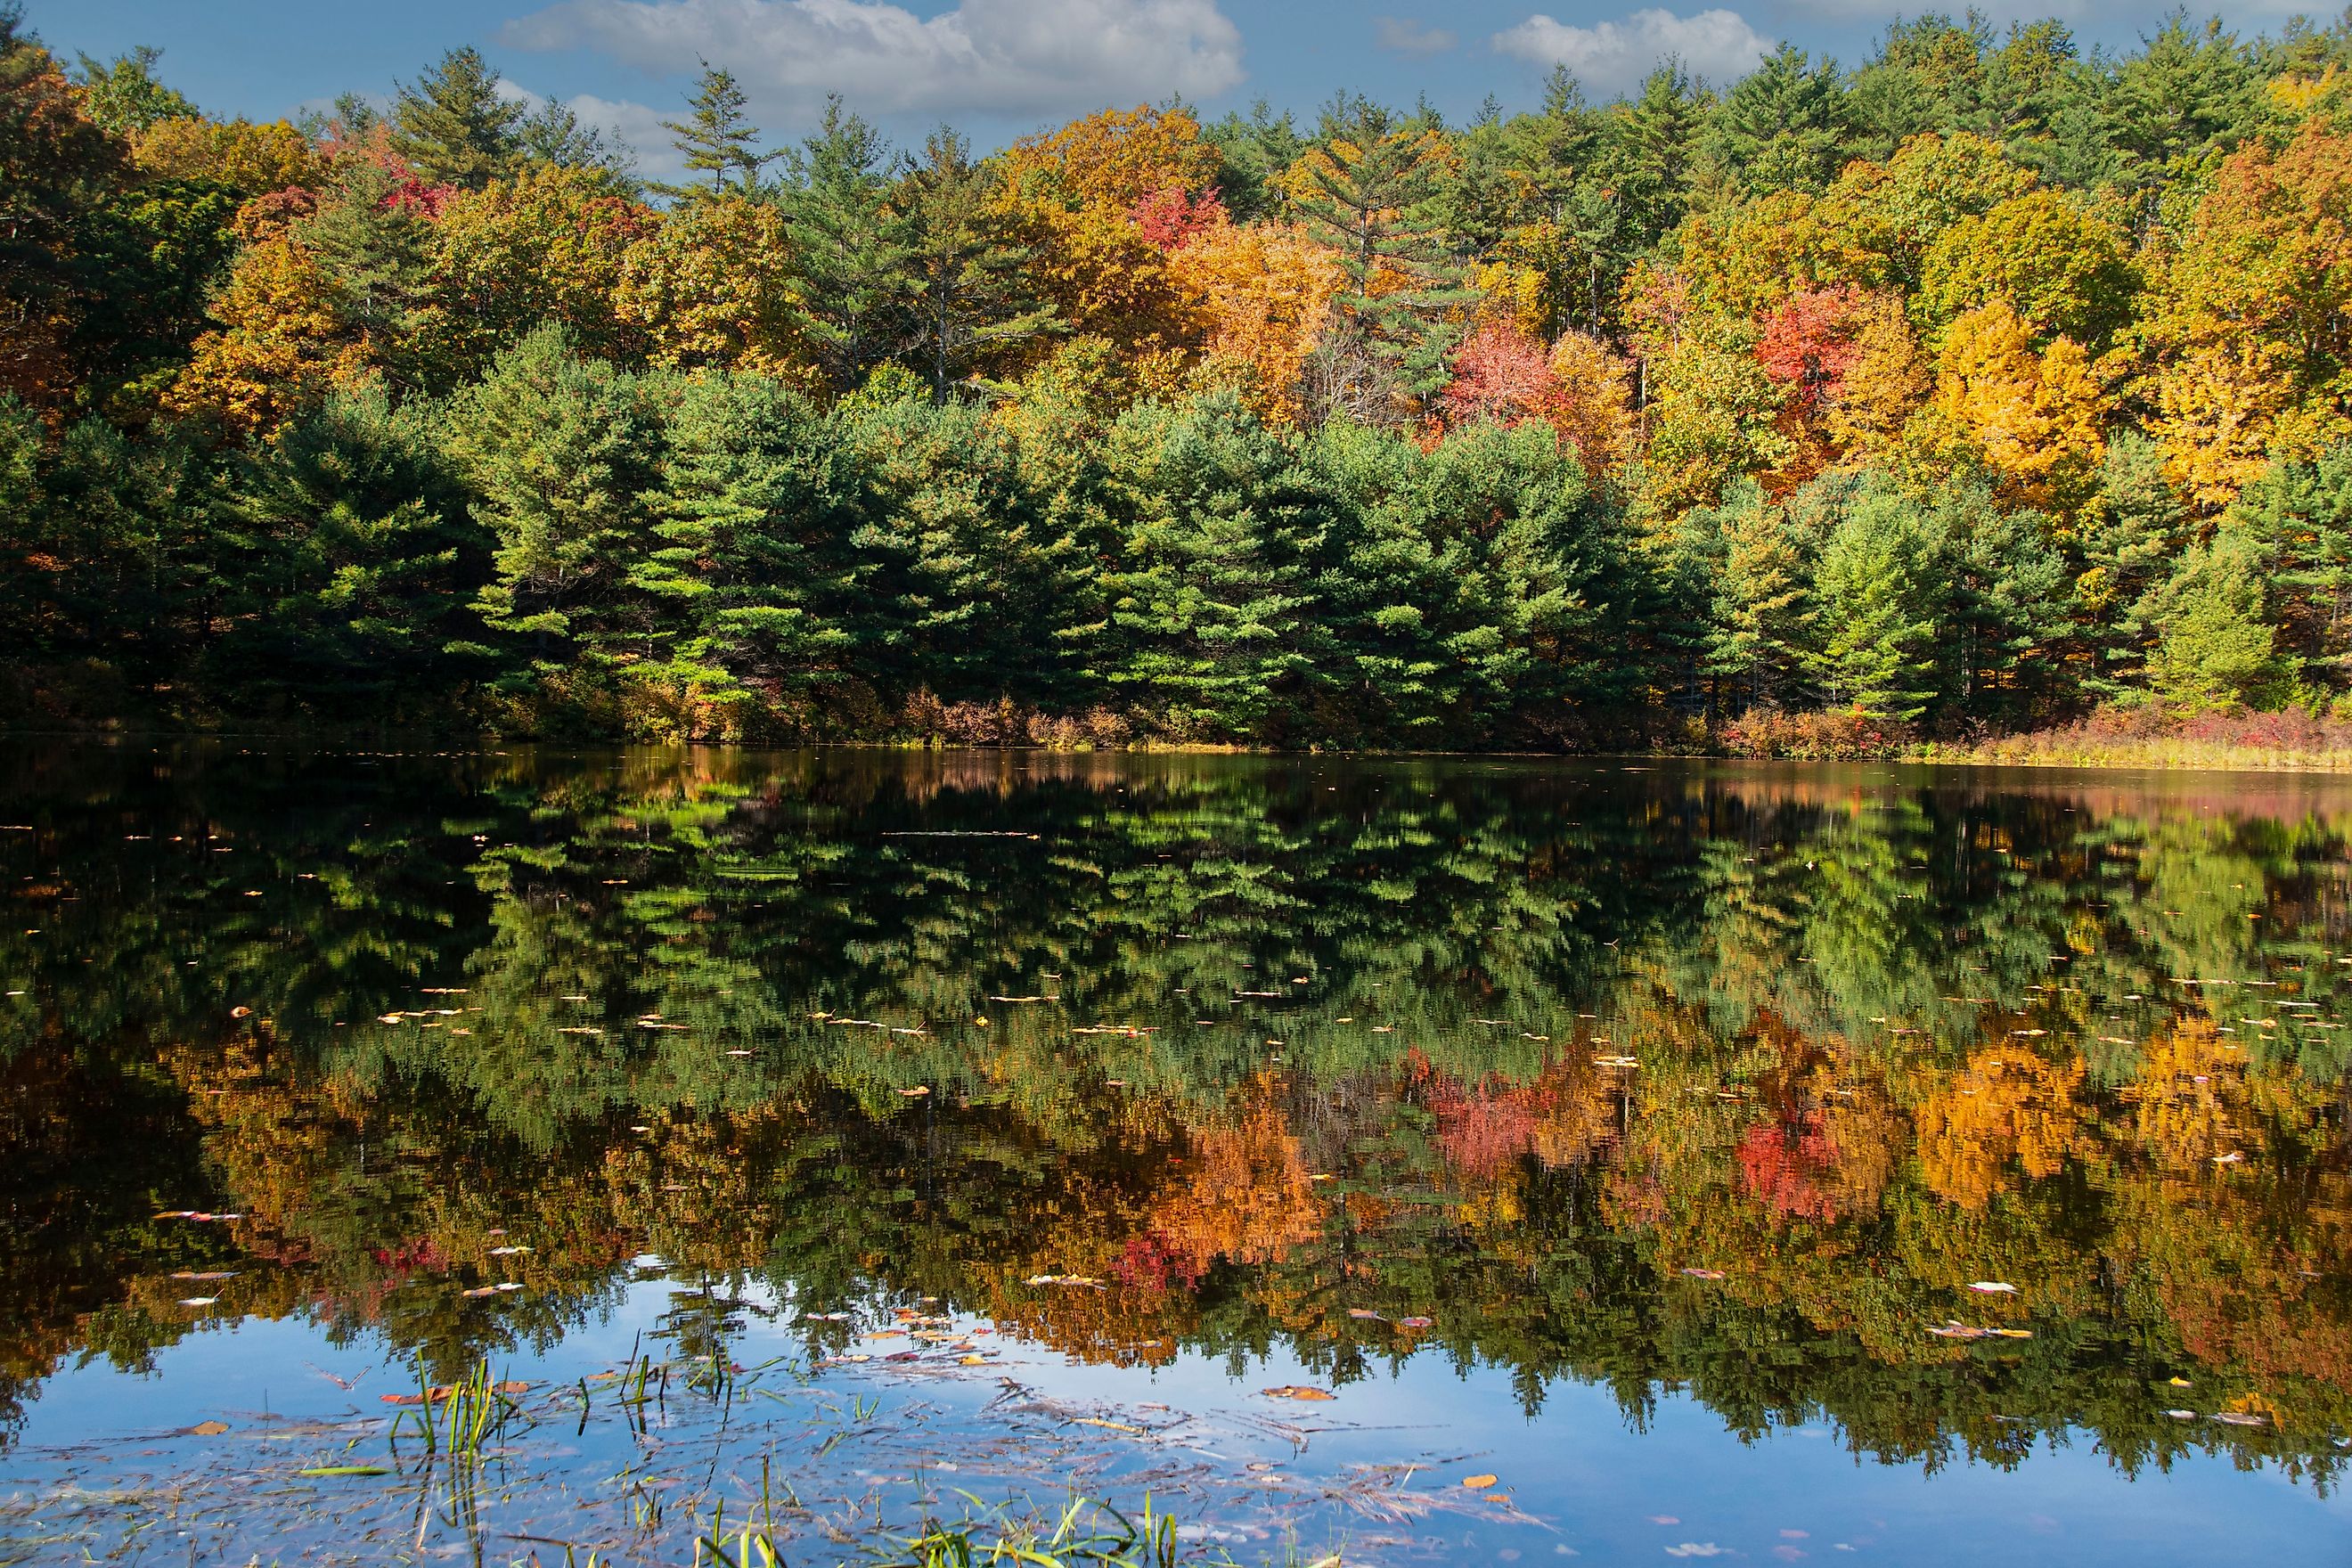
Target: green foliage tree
x=1875 y=586
x=966 y=266
x=717 y=138
x=453 y=125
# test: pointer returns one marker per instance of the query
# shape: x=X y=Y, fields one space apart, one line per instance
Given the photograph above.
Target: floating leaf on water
x=1479 y=1483
x=914 y=1093
x=476 y=1294
x=207 y=1428
x=195 y=1276
x=2180 y=1383
x=1696 y=1549
x=1298 y=1391
x=510 y=1285
x=2182 y=1415
x=198 y=1301
x=1109 y=1425
x=971 y=1361
x=1991 y=1287
x=344 y=1470
x=1081 y=1280
x=240 y=1012
x=507 y=1251
x=2241 y=1418
x=1365 y=1314
x=1416 y=1322
x=1956 y=1331
x=1705 y=1273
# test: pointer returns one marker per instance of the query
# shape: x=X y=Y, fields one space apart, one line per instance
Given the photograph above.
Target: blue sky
x=995 y=68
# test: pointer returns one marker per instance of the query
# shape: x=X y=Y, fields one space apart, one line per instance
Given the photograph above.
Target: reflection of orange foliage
x=2009 y=1104
x=1249 y=1199
x=2188 y=1104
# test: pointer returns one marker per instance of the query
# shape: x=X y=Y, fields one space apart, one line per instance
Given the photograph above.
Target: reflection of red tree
x=1790 y=1166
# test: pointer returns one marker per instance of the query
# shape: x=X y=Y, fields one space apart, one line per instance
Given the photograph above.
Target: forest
x=1983 y=386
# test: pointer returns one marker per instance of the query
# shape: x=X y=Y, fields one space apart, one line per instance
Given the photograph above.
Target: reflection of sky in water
x=1680 y=1488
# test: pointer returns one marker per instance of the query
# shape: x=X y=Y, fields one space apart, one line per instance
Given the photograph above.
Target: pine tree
x=1370 y=190
x=718 y=138
x=967 y=272
x=848 y=246
x=1875 y=586
x=123 y=96
x=1762 y=616
x=1784 y=125
x=453 y=127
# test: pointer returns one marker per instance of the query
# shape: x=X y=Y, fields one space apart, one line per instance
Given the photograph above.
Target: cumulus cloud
x=1612 y=57
x=1406 y=36
x=1011 y=56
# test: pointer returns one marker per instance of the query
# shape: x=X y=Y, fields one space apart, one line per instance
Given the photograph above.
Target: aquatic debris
x=2182 y=1415
x=200 y=1216
x=914 y=1093
x=1098 y=1421
x=1086 y=1280
x=2241 y=1418
x=199 y=1301
x=1991 y=1287
x=1954 y=1329
x=344 y=1470
x=1416 y=1322
x=1615 y=1062
x=1365 y=1314
x=1479 y=1483
x=507 y=1251
x=207 y=1428
x=1706 y=1273
x=1298 y=1391
x=197 y=1277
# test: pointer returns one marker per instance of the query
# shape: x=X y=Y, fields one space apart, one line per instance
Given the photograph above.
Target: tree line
x=1971 y=389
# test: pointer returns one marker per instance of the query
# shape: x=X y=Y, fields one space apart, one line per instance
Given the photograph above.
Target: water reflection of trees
x=1891 y=1036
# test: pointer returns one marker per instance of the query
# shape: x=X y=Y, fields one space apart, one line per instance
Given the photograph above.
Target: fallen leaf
x=344 y=1470
x=1479 y=1483
x=207 y=1428
x=1991 y=1287
x=1298 y=1391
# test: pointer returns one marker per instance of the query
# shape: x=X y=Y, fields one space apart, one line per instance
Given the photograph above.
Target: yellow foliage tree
x=1265 y=294
x=279 y=343
x=234 y=153
x=2037 y=418
x=711 y=286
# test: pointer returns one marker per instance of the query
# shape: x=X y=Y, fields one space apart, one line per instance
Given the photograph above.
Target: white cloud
x=1013 y=57
x=630 y=125
x=1612 y=57
x=1410 y=37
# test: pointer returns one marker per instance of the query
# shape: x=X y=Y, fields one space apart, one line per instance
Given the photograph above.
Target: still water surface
x=1782 y=1163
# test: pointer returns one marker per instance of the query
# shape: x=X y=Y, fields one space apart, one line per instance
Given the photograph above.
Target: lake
x=520 y=1155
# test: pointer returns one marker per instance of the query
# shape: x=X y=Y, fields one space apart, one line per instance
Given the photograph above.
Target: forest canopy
x=1972 y=387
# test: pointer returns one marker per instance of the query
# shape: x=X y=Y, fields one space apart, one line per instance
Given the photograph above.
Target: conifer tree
x=967 y=269
x=453 y=127
x=848 y=246
x=1371 y=191
x=718 y=138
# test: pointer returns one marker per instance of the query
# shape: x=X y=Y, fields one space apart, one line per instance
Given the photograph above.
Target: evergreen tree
x=454 y=127
x=1875 y=585
x=124 y=95
x=850 y=247
x=1371 y=190
x=718 y=138
x=755 y=571
x=1761 y=616
x=1784 y=126
x=562 y=452
x=2214 y=643
x=1213 y=609
x=967 y=268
